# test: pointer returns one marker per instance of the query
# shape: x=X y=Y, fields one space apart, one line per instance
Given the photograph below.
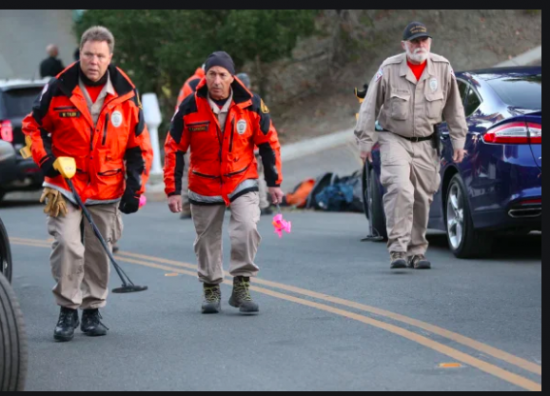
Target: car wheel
x=464 y=240
x=13 y=342
x=5 y=253
x=376 y=207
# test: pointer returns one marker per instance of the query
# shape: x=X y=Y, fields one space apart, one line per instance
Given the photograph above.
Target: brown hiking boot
x=397 y=260
x=419 y=261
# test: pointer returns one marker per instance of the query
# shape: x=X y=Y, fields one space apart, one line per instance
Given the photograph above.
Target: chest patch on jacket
x=241 y=127
x=69 y=114
x=198 y=126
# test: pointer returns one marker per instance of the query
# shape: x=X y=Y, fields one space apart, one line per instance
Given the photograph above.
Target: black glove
x=47 y=167
x=129 y=202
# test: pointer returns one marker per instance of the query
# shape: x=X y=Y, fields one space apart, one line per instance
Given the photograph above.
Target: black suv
x=16 y=100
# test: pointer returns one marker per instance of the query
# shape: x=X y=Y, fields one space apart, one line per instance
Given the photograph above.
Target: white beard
x=418 y=55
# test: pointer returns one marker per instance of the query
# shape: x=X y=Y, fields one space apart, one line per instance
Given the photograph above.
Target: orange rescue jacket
x=114 y=155
x=222 y=162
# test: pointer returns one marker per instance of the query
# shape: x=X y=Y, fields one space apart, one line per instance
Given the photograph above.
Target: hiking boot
x=212 y=298
x=397 y=260
x=419 y=261
x=67 y=322
x=240 y=297
x=91 y=325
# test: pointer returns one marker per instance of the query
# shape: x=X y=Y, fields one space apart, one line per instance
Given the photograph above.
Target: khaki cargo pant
x=410 y=176
x=82 y=270
x=243 y=232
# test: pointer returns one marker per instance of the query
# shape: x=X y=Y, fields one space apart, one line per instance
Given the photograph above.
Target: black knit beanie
x=220 y=58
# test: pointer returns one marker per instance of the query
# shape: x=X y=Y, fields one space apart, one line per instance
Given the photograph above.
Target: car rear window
x=18 y=102
x=523 y=91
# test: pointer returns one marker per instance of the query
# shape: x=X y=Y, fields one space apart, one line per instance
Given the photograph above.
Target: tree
x=160 y=49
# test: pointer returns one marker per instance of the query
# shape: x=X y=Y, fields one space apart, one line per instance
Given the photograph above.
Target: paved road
x=333 y=315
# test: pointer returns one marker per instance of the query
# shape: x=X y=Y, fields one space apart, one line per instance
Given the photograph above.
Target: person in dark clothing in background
x=51 y=66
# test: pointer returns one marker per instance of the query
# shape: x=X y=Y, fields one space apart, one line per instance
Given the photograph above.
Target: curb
x=296 y=150
x=524 y=59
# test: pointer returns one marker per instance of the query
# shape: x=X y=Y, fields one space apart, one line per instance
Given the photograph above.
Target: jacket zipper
x=91 y=152
x=232 y=133
x=105 y=129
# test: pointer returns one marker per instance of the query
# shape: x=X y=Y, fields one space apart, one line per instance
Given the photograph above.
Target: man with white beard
x=409 y=94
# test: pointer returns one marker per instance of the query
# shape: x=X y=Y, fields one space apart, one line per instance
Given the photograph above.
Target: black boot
x=240 y=298
x=91 y=325
x=212 y=298
x=68 y=321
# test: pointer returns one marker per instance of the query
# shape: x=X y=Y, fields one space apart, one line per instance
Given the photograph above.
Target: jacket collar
x=120 y=83
x=405 y=70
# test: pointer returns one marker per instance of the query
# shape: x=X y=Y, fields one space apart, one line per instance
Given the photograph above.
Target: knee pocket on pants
x=118 y=226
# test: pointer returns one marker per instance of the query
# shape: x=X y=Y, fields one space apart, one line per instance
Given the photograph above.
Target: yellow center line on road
x=469 y=342
x=451 y=352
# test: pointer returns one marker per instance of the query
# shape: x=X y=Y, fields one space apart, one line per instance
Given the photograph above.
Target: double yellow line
x=176 y=266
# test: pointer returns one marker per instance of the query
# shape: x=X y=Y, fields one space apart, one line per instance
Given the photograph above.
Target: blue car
x=498 y=187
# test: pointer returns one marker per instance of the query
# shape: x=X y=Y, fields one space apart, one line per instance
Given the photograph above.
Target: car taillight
x=6 y=131
x=515 y=133
x=531 y=202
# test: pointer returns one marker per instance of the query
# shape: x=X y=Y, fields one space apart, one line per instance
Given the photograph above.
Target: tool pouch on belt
x=436 y=141
x=55 y=202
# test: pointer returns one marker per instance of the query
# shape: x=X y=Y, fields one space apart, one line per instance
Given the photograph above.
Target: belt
x=414 y=139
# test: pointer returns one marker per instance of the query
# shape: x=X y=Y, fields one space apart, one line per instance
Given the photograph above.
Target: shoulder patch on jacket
x=259 y=107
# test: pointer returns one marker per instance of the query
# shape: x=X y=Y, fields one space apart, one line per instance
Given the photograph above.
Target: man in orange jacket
x=92 y=113
x=220 y=125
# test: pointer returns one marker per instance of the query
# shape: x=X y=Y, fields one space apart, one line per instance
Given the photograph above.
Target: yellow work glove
x=55 y=202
